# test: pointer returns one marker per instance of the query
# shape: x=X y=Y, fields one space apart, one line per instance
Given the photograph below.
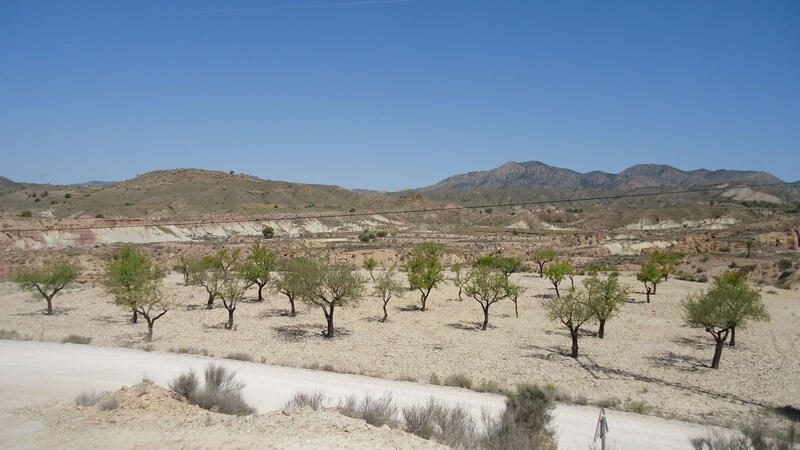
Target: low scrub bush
x=311 y=400
x=190 y=351
x=639 y=407
x=376 y=411
x=76 y=339
x=525 y=423
x=434 y=379
x=221 y=392
x=490 y=386
x=459 y=380
x=91 y=398
x=239 y=357
x=453 y=427
x=13 y=335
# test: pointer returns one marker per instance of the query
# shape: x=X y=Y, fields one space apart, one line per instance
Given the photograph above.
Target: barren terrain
x=647 y=355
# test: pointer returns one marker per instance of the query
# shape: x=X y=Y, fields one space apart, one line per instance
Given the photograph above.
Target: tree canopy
x=424 y=269
x=48 y=280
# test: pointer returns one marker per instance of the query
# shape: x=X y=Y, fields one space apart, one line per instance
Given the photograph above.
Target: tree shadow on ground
x=277 y=312
x=116 y=320
x=409 y=308
x=467 y=325
x=302 y=332
x=683 y=363
x=696 y=343
x=622 y=374
x=57 y=311
x=545 y=353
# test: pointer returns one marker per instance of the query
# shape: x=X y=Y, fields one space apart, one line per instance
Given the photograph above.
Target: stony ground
x=648 y=355
x=149 y=417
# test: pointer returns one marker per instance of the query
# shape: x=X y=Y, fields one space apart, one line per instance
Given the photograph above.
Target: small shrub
x=705 y=258
x=434 y=379
x=91 y=398
x=76 y=339
x=450 y=426
x=459 y=380
x=611 y=402
x=639 y=407
x=239 y=357
x=26 y=213
x=725 y=249
x=772 y=291
x=381 y=234
x=190 y=351
x=311 y=400
x=376 y=411
x=12 y=335
x=364 y=237
x=490 y=386
x=221 y=392
x=67 y=195
x=790 y=412
x=785 y=274
x=733 y=265
x=525 y=423
x=99 y=216
x=109 y=403
x=784 y=264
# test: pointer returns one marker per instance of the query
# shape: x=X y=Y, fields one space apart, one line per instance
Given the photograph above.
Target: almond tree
x=458 y=278
x=487 y=286
x=208 y=273
x=556 y=273
x=329 y=286
x=729 y=302
x=387 y=287
x=425 y=269
x=604 y=298
x=232 y=292
x=289 y=277
x=370 y=264
x=572 y=310
x=505 y=264
x=514 y=291
x=541 y=257
x=666 y=262
x=125 y=274
x=257 y=267
x=49 y=280
x=650 y=275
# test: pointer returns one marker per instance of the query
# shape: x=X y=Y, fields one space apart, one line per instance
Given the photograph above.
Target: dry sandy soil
x=647 y=355
x=149 y=417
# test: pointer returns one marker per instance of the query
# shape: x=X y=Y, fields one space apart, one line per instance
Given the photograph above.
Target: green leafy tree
x=370 y=264
x=424 y=269
x=49 y=280
x=184 y=267
x=459 y=278
x=650 y=275
x=572 y=310
x=541 y=257
x=487 y=286
x=505 y=264
x=257 y=267
x=289 y=278
x=268 y=232
x=666 y=262
x=604 y=297
x=207 y=272
x=387 y=287
x=330 y=286
x=231 y=293
x=743 y=302
x=126 y=273
x=137 y=284
x=514 y=292
x=557 y=272
x=729 y=302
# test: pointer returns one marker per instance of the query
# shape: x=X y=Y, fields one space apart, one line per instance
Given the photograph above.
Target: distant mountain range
x=535 y=174
x=95 y=183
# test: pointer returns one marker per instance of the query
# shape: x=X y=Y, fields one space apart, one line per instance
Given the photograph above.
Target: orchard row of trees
x=136 y=283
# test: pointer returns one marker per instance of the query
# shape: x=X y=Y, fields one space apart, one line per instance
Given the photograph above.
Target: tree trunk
x=149 y=336
x=135 y=316
x=574 y=334
x=460 y=288
x=572 y=281
x=260 y=296
x=229 y=325
x=424 y=298
x=717 y=353
x=291 y=302
x=516 y=311
x=648 y=295
x=747 y=255
x=733 y=336
x=485 y=317
x=655 y=286
x=558 y=294
x=602 y=329
x=329 y=318
x=541 y=269
x=372 y=276
x=385 y=313
x=49 y=305
x=210 y=303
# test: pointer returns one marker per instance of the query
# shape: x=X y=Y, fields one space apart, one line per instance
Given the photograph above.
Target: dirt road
x=39 y=372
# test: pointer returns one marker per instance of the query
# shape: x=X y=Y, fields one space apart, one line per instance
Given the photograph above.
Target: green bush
x=381 y=234
x=26 y=213
x=99 y=216
x=76 y=339
x=639 y=407
x=459 y=380
x=784 y=264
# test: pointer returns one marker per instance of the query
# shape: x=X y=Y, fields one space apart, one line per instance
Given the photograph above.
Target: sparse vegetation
x=239 y=356
x=376 y=411
x=458 y=380
x=425 y=270
x=76 y=339
x=387 y=287
x=370 y=264
x=310 y=400
x=49 y=280
x=221 y=391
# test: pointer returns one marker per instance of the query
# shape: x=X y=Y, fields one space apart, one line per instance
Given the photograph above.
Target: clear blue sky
x=395 y=94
